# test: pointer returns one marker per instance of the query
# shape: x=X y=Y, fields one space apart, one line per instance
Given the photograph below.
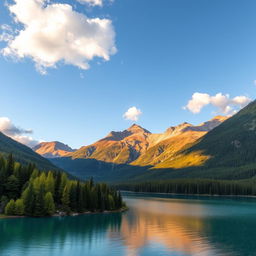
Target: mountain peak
x=220 y=118
x=135 y=128
x=53 y=149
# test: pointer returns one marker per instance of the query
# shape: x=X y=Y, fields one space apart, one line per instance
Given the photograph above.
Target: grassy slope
x=161 y=154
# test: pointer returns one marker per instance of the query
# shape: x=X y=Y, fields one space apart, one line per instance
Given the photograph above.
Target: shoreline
x=73 y=214
x=202 y=195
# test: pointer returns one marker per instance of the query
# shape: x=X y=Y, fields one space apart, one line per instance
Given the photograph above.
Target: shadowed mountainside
x=23 y=154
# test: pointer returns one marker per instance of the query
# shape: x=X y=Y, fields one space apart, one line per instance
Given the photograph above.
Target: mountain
x=134 y=148
x=229 y=150
x=164 y=146
x=138 y=146
x=117 y=147
x=23 y=154
x=52 y=149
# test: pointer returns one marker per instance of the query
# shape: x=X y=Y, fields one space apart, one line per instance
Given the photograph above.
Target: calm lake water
x=154 y=225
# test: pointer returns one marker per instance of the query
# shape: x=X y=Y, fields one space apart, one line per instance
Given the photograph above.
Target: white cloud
x=223 y=103
x=92 y=2
x=54 y=33
x=132 y=114
x=16 y=133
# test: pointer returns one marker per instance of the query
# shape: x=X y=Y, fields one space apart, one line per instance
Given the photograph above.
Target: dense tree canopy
x=24 y=190
x=195 y=186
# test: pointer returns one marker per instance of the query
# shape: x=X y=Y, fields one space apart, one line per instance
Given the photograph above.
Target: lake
x=154 y=225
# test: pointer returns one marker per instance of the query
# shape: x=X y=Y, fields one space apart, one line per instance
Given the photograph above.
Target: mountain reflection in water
x=152 y=226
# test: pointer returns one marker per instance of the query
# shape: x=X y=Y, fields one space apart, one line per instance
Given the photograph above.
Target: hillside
x=231 y=145
x=23 y=154
x=226 y=152
x=52 y=149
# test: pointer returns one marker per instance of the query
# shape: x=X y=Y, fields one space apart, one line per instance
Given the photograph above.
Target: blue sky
x=167 y=50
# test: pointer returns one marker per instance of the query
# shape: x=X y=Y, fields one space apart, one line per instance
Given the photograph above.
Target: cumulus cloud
x=16 y=133
x=223 y=103
x=51 y=33
x=132 y=114
x=92 y=2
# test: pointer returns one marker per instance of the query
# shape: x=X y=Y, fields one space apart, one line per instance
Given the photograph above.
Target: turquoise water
x=154 y=225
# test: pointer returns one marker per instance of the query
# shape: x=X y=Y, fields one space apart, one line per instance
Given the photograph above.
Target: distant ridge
x=53 y=149
x=136 y=147
x=23 y=154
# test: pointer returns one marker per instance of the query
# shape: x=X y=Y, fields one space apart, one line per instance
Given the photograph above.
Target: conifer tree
x=50 y=186
x=19 y=207
x=38 y=193
x=28 y=197
x=73 y=196
x=10 y=165
x=66 y=198
x=49 y=205
x=39 y=202
x=10 y=208
x=12 y=187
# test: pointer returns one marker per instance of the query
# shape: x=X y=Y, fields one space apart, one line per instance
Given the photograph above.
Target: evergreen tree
x=28 y=197
x=66 y=198
x=50 y=186
x=10 y=208
x=73 y=196
x=3 y=203
x=111 y=203
x=57 y=193
x=12 y=187
x=39 y=202
x=10 y=165
x=19 y=207
x=63 y=183
x=39 y=193
x=49 y=205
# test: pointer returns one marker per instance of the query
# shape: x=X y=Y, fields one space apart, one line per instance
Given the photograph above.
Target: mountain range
x=134 y=145
x=221 y=148
x=133 y=148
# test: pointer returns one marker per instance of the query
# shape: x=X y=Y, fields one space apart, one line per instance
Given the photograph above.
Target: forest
x=195 y=186
x=26 y=191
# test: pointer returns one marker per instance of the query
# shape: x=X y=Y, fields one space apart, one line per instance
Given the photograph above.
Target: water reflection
x=152 y=226
x=176 y=227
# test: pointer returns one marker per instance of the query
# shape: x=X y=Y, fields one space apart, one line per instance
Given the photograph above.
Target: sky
x=75 y=70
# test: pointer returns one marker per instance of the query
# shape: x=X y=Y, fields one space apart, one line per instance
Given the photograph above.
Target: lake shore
x=73 y=214
x=194 y=195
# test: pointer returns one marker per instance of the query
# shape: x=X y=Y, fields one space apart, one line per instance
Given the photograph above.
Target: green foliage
x=66 y=198
x=19 y=207
x=195 y=186
x=10 y=208
x=28 y=197
x=43 y=193
x=49 y=205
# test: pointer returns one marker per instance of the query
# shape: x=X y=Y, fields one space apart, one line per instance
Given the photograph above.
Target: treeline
x=24 y=190
x=194 y=186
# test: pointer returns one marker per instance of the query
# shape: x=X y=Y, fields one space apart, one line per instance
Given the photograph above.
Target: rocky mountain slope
x=52 y=149
x=138 y=146
x=135 y=150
